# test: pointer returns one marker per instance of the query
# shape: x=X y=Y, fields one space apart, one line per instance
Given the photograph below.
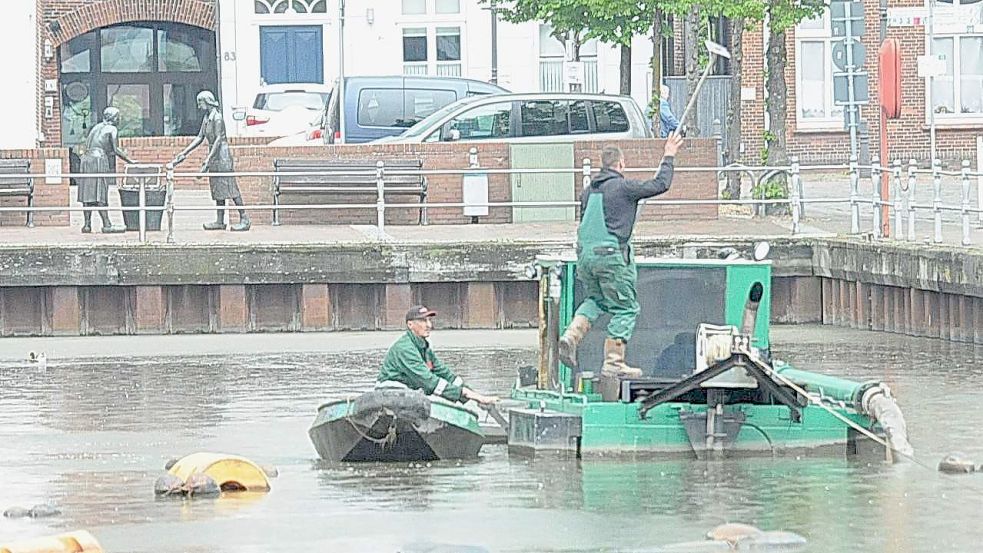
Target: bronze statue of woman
x=101 y=150
x=219 y=160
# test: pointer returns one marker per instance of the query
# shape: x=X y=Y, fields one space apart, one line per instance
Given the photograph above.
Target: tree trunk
x=691 y=32
x=777 y=106
x=656 y=65
x=626 y=69
x=733 y=147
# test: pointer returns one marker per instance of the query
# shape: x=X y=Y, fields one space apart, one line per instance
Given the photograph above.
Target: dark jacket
x=411 y=361
x=621 y=196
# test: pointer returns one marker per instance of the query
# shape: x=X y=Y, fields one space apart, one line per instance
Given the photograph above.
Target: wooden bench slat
x=349 y=176
x=15 y=182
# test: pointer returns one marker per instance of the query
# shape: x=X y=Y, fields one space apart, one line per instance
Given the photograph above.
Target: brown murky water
x=91 y=435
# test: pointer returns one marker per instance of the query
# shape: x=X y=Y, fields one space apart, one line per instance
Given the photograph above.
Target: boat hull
x=395 y=426
x=572 y=425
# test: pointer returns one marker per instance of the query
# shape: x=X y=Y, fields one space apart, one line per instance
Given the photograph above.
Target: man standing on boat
x=605 y=261
x=410 y=361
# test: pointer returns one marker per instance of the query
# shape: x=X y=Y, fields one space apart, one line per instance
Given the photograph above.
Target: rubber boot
x=218 y=223
x=571 y=338
x=243 y=224
x=615 y=369
x=614 y=360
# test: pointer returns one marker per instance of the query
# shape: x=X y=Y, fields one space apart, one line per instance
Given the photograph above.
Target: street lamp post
x=340 y=88
x=494 y=42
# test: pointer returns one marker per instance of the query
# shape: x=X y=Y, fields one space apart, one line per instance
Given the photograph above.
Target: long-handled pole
x=696 y=93
x=715 y=50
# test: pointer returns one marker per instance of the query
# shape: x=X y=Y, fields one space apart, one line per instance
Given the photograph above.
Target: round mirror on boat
x=761 y=250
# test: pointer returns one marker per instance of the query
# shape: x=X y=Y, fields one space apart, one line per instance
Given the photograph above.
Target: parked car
x=533 y=117
x=377 y=107
x=283 y=109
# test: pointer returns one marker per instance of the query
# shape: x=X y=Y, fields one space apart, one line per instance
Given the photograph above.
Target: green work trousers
x=610 y=283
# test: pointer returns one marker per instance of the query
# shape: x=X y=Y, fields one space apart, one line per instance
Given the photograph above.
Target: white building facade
x=273 y=41
x=18 y=26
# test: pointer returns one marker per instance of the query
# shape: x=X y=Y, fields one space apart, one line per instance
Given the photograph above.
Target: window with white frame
x=448 y=41
x=432 y=42
x=414 y=7
x=440 y=57
x=958 y=93
x=447 y=6
x=415 y=51
x=814 y=76
x=439 y=7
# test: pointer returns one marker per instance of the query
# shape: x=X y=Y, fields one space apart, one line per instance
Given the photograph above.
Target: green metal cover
x=542 y=187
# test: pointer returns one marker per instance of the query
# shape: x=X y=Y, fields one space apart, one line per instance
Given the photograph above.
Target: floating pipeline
x=871 y=398
x=78 y=541
x=209 y=473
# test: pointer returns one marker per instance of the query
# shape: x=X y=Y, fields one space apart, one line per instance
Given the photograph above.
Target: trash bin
x=129 y=194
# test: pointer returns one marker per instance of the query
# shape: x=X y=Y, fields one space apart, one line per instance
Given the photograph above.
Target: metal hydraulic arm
x=740 y=357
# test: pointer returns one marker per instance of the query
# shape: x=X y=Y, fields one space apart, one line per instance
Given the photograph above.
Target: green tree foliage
x=612 y=21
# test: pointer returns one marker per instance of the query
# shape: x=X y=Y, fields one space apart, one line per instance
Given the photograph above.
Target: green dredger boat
x=709 y=389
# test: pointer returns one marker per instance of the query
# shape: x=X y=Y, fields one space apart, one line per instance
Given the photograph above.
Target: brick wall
x=753 y=111
x=62 y=20
x=685 y=185
x=45 y=195
x=447 y=188
x=163 y=149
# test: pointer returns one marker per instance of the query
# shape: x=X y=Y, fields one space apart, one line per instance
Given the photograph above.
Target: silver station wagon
x=539 y=117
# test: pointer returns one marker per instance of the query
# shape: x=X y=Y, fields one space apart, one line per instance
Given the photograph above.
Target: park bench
x=345 y=177
x=15 y=180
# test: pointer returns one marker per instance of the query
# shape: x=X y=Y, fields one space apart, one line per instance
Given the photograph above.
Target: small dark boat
x=395 y=424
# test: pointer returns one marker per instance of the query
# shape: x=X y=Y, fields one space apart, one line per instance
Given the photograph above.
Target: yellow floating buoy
x=231 y=472
x=79 y=541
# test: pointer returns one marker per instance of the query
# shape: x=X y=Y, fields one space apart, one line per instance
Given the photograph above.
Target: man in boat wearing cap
x=605 y=261
x=410 y=361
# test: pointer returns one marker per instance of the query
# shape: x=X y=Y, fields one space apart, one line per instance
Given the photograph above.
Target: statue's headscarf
x=110 y=114
x=208 y=98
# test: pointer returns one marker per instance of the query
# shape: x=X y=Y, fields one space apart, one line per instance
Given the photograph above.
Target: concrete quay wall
x=86 y=290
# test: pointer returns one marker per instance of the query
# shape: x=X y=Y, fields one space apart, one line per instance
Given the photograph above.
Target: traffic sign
x=846 y=19
x=840 y=9
x=840 y=54
x=839 y=28
x=841 y=88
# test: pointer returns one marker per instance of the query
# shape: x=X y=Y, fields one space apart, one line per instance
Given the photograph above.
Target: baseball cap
x=419 y=312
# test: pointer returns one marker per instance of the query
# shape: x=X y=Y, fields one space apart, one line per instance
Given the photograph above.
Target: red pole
x=889 y=89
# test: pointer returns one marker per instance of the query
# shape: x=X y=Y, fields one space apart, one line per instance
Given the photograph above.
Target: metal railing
x=551 y=75
x=904 y=181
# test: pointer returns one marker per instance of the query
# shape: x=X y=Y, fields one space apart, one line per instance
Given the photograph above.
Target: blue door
x=291 y=54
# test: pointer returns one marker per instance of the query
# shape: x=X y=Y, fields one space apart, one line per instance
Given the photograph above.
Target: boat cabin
x=709 y=386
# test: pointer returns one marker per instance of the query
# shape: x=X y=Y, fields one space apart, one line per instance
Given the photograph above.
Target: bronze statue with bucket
x=219 y=160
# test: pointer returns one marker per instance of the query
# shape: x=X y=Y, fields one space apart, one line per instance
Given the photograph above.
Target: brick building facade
x=826 y=140
x=61 y=21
